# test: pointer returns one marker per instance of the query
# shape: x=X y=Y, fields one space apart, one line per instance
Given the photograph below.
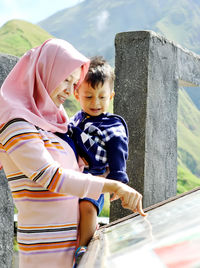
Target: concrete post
x=6 y=203
x=6 y=223
x=146 y=96
x=149 y=69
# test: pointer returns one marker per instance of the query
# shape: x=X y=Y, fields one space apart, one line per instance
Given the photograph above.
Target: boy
x=101 y=139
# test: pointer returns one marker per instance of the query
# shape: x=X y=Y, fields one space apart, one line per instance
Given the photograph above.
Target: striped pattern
x=23 y=189
x=38 y=188
x=15 y=133
x=48 y=176
x=47 y=239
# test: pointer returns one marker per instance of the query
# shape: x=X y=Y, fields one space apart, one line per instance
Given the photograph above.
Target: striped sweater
x=46 y=182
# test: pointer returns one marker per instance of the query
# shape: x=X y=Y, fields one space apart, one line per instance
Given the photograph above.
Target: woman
x=41 y=168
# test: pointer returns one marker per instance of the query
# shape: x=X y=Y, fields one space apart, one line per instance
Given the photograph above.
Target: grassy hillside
x=188 y=134
x=17 y=36
x=181 y=23
x=186 y=180
x=71 y=106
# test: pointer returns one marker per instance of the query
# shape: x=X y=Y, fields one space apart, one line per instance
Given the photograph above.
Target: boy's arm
x=117 y=152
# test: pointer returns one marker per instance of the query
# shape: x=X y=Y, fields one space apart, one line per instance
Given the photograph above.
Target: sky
x=32 y=10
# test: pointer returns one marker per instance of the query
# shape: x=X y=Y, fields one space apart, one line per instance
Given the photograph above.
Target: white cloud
x=102 y=20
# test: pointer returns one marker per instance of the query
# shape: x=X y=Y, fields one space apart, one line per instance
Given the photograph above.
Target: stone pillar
x=7 y=62
x=6 y=223
x=6 y=203
x=146 y=89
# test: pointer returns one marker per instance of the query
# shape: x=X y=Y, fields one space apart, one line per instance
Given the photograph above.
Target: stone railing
x=6 y=203
x=149 y=70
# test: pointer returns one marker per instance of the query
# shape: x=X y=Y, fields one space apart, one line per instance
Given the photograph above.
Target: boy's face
x=94 y=101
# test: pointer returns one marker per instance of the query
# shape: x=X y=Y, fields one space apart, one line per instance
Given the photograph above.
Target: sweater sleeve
x=25 y=147
x=117 y=152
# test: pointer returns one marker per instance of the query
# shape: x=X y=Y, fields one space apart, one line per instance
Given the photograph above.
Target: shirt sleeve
x=25 y=147
x=117 y=152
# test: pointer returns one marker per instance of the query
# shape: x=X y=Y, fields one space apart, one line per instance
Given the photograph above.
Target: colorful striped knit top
x=46 y=182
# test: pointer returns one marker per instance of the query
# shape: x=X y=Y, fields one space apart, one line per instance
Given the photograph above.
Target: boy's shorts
x=97 y=203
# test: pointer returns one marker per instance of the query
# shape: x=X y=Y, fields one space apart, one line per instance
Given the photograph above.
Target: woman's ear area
x=76 y=94
x=112 y=95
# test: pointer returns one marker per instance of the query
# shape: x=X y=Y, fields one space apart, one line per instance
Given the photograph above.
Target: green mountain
x=188 y=135
x=17 y=36
x=92 y=25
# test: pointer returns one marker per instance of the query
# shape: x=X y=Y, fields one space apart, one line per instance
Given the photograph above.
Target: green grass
x=106 y=208
x=186 y=180
x=15 y=245
x=17 y=36
x=188 y=132
x=71 y=106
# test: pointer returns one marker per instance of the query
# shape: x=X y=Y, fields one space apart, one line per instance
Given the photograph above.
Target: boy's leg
x=89 y=209
x=88 y=222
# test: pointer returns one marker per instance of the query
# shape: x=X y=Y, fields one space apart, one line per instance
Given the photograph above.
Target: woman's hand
x=130 y=198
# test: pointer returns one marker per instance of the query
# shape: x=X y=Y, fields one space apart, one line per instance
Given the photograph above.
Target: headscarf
x=26 y=91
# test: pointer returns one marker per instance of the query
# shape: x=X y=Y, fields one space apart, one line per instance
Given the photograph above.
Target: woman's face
x=66 y=88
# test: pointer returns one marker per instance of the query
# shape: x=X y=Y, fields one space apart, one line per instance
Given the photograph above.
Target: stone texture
x=147 y=80
x=7 y=62
x=6 y=203
x=6 y=223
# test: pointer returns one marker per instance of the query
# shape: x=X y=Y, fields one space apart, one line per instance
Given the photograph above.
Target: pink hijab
x=25 y=92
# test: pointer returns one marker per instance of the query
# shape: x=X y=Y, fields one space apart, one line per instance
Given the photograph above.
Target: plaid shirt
x=103 y=142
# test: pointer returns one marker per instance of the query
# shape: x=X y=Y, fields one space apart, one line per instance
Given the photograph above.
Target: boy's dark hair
x=99 y=72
